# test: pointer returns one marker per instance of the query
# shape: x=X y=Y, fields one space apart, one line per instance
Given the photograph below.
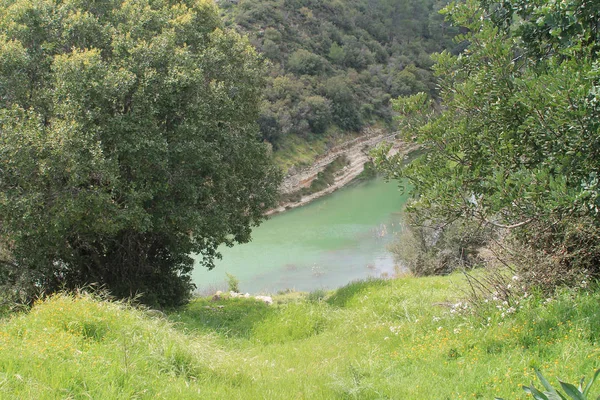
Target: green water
x=325 y=244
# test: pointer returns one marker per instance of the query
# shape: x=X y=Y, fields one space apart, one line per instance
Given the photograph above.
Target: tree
x=336 y=53
x=317 y=111
x=515 y=143
x=345 y=108
x=128 y=142
x=303 y=62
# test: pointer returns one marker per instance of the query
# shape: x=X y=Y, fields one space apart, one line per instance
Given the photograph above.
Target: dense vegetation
x=516 y=145
x=130 y=132
x=128 y=142
x=335 y=65
x=407 y=338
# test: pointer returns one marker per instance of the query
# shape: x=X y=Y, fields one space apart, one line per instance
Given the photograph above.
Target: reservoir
x=324 y=245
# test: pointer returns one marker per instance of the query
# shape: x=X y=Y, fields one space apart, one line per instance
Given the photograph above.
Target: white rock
x=266 y=299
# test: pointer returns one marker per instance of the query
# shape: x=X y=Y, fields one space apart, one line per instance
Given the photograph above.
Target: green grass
x=295 y=151
x=396 y=339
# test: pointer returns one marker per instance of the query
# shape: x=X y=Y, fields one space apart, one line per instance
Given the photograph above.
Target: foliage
x=316 y=296
x=352 y=56
x=429 y=247
x=369 y=171
x=128 y=142
x=574 y=393
x=81 y=346
x=516 y=143
x=303 y=62
x=394 y=338
x=543 y=269
x=326 y=177
x=233 y=283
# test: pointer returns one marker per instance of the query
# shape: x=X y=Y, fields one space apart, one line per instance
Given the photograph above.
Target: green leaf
x=571 y=391
x=535 y=393
x=555 y=396
x=545 y=382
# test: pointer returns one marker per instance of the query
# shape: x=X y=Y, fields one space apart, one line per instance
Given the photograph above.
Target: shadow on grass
x=343 y=295
x=226 y=317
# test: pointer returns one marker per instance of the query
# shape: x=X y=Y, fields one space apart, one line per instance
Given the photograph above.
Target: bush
x=303 y=62
x=430 y=248
x=129 y=142
x=516 y=144
x=233 y=283
x=316 y=296
x=326 y=177
x=565 y=254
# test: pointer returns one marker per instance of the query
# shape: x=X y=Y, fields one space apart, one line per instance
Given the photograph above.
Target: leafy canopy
x=127 y=142
x=515 y=140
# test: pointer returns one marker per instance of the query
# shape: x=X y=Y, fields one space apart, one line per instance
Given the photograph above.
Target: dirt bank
x=356 y=151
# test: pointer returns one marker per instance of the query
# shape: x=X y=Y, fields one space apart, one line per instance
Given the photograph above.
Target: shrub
x=429 y=248
x=303 y=62
x=316 y=295
x=129 y=142
x=233 y=283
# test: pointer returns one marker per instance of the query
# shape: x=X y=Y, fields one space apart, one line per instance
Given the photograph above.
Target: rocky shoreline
x=357 y=153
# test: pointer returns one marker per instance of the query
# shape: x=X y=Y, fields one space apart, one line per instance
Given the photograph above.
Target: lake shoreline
x=357 y=153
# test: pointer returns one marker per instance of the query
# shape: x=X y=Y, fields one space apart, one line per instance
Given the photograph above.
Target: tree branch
x=513 y=226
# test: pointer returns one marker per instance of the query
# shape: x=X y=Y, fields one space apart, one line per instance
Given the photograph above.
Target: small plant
x=233 y=283
x=573 y=392
x=317 y=295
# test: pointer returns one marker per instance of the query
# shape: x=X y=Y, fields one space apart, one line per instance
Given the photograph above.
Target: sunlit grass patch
x=403 y=338
x=78 y=346
x=228 y=317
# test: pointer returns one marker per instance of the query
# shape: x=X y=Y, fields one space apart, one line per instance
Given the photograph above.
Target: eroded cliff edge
x=356 y=153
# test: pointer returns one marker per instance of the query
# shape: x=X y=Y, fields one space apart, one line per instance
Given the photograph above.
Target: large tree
x=128 y=142
x=515 y=142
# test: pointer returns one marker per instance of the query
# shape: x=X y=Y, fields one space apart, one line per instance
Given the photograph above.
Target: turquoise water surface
x=325 y=244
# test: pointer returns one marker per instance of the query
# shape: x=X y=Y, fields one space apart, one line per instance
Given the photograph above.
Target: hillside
x=335 y=65
x=407 y=338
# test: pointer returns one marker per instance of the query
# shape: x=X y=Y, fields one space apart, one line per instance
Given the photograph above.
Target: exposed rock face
x=356 y=151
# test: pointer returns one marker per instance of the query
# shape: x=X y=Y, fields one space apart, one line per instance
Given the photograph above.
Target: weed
x=233 y=283
x=316 y=295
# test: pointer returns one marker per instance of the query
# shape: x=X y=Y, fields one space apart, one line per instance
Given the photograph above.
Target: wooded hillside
x=335 y=65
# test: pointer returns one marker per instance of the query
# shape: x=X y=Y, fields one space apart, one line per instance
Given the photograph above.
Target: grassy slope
x=296 y=151
x=379 y=339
